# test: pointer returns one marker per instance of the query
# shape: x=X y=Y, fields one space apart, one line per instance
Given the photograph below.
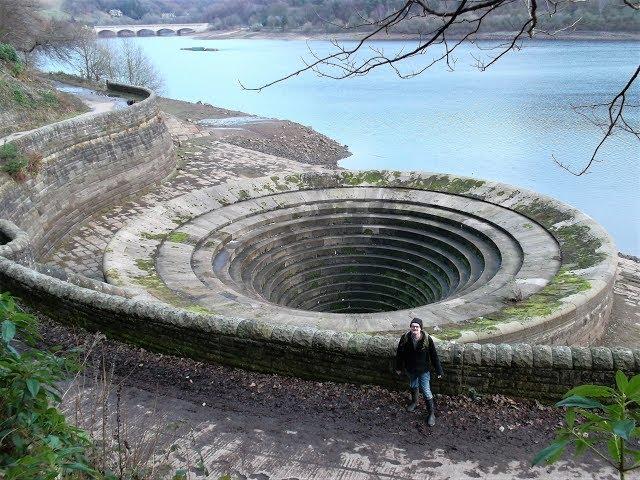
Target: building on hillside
x=114 y=12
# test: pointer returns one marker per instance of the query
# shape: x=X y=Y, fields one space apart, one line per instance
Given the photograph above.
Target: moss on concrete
x=153 y=236
x=579 y=247
x=179 y=237
x=540 y=304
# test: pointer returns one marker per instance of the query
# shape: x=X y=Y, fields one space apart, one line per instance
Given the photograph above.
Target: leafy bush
x=8 y=53
x=35 y=439
x=602 y=420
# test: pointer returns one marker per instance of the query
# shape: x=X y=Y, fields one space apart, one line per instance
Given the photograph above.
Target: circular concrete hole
x=360 y=256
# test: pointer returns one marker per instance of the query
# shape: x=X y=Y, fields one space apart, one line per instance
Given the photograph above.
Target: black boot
x=431 y=412
x=414 y=400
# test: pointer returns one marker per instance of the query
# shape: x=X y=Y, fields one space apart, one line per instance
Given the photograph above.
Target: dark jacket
x=420 y=359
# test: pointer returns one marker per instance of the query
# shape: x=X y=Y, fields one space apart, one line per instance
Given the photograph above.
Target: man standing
x=416 y=355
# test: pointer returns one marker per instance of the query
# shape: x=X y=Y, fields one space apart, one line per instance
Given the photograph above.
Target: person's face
x=415 y=330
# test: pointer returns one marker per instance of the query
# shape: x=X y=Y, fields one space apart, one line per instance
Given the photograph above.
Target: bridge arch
x=165 y=31
x=146 y=32
x=185 y=31
x=106 y=34
x=126 y=33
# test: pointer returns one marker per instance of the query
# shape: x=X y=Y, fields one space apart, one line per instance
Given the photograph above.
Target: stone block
x=381 y=347
x=623 y=359
x=283 y=333
x=303 y=337
x=581 y=358
x=504 y=354
x=488 y=354
x=322 y=339
x=444 y=350
x=472 y=354
x=562 y=357
x=339 y=341
x=601 y=358
x=542 y=356
x=522 y=355
x=357 y=344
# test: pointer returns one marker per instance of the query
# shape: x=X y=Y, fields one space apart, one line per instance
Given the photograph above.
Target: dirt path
x=213 y=420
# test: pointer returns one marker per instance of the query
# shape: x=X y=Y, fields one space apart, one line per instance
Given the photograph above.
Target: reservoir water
x=505 y=124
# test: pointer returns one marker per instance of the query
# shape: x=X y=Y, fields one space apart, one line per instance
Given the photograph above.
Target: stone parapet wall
x=88 y=163
x=538 y=371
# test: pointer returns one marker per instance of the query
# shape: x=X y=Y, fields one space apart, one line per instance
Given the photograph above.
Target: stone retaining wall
x=88 y=163
x=539 y=371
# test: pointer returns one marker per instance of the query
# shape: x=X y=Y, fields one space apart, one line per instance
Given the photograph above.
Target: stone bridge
x=149 y=30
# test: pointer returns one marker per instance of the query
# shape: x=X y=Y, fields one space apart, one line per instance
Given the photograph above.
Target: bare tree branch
x=615 y=117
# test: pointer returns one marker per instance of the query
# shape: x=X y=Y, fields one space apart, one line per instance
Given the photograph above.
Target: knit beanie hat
x=416 y=320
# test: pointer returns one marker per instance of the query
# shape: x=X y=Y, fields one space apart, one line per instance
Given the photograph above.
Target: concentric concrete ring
x=342 y=251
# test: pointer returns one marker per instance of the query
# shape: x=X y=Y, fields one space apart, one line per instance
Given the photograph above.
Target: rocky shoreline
x=281 y=138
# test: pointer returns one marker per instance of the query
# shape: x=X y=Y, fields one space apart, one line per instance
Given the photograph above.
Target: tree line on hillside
x=34 y=35
x=333 y=15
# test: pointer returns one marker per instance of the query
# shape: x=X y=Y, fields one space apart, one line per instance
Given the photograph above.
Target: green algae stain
x=540 y=304
x=146 y=265
x=178 y=237
x=578 y=246
x=243 y=195
x=153 y=236
x=199 y=309
x=371 y=177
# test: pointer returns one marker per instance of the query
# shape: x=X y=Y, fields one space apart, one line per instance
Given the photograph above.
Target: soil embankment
x=281 y=138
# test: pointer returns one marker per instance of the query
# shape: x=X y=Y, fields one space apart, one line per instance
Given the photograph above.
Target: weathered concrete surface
x=624 y=326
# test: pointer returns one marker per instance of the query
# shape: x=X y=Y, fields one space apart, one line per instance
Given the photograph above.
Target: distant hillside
x=28 y=101
x=330 y=15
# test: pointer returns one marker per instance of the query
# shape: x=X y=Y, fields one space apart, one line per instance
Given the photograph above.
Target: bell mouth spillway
x=328 y=251
x=361 y=256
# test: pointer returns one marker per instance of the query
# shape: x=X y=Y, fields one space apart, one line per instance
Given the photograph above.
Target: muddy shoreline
x=282 y=138
x=246 y=33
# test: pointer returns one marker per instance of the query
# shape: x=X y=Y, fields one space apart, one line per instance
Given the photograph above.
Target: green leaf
x=33 y=386
x=578 y=401
x=623 y=428
x=571 y=417
x=621 y=381
x=591 y=391
x=550 y=453
x=8 y=331
x=633 y=387
x=80 y=467
x=614 y=451
x=581 y=447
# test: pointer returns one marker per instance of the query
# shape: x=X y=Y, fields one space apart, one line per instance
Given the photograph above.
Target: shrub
x=37 y=441
x=8 y=53
x=602 y=420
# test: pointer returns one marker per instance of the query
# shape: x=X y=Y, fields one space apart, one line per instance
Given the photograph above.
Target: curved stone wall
x=565 y=261
x=368 y=251
x=87 y=163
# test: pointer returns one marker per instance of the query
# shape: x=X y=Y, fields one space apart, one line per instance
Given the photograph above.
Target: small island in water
x=200 y=49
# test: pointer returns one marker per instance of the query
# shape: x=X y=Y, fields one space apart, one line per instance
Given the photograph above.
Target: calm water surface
x=504 y=124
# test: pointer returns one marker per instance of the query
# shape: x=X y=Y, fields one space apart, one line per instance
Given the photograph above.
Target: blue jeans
x=421 y=381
